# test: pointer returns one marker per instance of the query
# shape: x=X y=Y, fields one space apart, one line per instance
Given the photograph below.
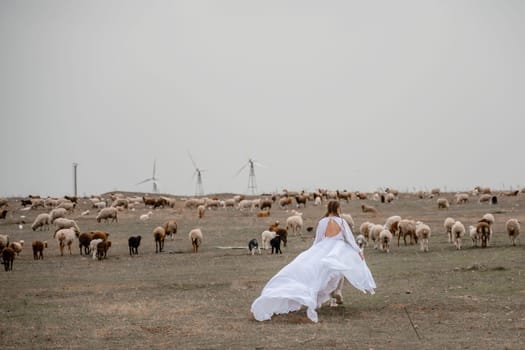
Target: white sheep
x=513 y=229
x=195 y=237
x=93 y=246
x=57 y=213
x=245 y=204
x=65 y=236
x=201 y=209
x=485 y=198
x=473 y=233
x=266 y=237
x=374 y=234
x=146 y=217
x=457 y=231
x=449 y=222
x=385 y=238
x=41 y=221
x=61 y=223
x=295 y=222
x=349 y=220
x=423 y=233
x=108 y=213
x=462 y=198
x=364 y=229
x=443 y=203
x=361 y=241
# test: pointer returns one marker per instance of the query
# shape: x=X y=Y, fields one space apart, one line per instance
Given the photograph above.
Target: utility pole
x=75 y=165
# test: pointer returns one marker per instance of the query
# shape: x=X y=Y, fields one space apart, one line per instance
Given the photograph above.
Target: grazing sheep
x=364 y=229
x=41 y=221
x=407 y=228
x=473 y=233
x=361 y=241
x=443 y=203
x=17 y=246
x=93 y=246
x=170 y=227
x=57 y=213
x=485 y=198
x=449 y=222
x=8 y=256
x=65 y=236
x=301 y=200
x=295 y=223
x=461 y=198
x=266 y=204
x=83 y=242
x=375 y=230
x=276 y=244
x=266 y=237
x=283 y=233
x=483 y=231
x=253 y=245
x=133 y=244
x=38 y=249
x=423 y=233
x=201 y=209
x=195 y=237
x=457 y=231
x=102 y=249
x=159 y=235
x=3 y=213
x=385 y=238
x=108 y=213
x=391 y=223
x=66 y=223
x=513 y=229
x=368 y=209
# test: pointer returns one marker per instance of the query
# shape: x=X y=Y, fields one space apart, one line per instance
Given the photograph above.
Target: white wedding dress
x=310 y=278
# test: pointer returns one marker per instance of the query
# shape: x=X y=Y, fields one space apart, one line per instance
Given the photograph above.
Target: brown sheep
x=100 y=234
x=170 y=227
x=102 y=249
x=283 y=233
x=407 y=228
x=483 y=231
x=38 y=249
x=368 y=209
x=159 y=234
x=83 y=242
x=8 y=256
x=263 y=213
x=273 y=227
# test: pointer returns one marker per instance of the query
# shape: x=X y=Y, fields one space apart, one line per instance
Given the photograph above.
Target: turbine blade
x=143 y=181
x=241 y=169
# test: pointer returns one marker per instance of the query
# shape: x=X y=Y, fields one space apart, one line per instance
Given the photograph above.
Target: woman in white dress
x=311 y=278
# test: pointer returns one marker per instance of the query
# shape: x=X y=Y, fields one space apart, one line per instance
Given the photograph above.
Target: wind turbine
x=153 y=179
x=199 y=191
x=252 y=182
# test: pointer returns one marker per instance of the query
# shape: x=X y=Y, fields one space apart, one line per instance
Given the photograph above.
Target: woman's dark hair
x=331 y=208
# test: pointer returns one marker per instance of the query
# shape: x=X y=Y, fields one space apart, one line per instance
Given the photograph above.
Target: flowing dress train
x=310 y=278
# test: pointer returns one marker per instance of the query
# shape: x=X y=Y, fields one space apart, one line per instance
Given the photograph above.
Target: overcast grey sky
x=325 y=94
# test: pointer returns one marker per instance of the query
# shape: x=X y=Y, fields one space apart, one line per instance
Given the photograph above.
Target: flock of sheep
x=381 y=235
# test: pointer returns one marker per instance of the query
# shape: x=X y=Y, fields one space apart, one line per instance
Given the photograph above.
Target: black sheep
x=276 y=244
x=253 y=245
x=133 y=243
x=8 y=256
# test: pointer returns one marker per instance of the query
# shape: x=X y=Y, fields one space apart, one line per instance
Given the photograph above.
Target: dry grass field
x=441 y=299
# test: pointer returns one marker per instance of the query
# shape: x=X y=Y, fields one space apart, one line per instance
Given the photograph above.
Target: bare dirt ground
x=442 y=299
